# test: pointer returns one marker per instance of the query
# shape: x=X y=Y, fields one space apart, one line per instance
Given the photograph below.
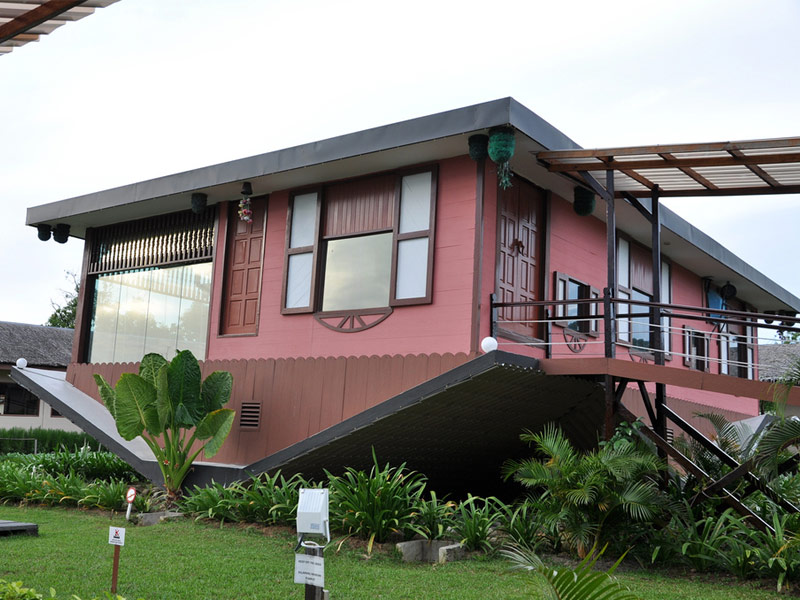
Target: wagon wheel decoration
x=575 y=340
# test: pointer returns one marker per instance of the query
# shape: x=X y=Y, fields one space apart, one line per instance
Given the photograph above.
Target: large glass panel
x=194 y=303
x=415 y=203
x=160 y=310
x=412 y=268
x=298 y=280
x=134 y=298
x=163 y=311
x=104 y=320
x=623 y=268
x=357 y=272
x=304 y=220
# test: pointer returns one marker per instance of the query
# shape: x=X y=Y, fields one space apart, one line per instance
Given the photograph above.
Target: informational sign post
x=130 y=496
x=116 y=537
x=309 y=570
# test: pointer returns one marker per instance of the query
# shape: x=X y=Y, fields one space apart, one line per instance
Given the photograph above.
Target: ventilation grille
x=670 y=436
x=174 y=238
x=250 y=415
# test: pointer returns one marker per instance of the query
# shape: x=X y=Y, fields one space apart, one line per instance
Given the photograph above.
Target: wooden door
x=243 y=256
x=520 y=248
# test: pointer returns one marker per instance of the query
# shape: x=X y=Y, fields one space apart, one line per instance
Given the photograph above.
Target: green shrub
x=272 y=499
x=373 y=505
x=434 y=517
x=86 y=463
x=215 y=501
x=13 y=590
x=48 y=440
x=475 y=519
x=522 y=525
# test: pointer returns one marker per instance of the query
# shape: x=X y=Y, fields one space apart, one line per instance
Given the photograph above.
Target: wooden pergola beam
x=742 y=191
x=34 y=17
x=603 y=163
x=792 y=142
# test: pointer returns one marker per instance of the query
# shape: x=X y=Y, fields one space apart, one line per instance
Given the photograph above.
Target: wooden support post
x=115 y=570
x=313 y=592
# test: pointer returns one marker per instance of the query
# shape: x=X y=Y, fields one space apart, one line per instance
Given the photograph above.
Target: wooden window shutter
x=244 y=254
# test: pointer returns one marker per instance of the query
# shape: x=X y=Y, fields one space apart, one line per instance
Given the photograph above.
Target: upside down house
x=348 y=285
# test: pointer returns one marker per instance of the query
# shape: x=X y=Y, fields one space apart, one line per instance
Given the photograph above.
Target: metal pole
x=609 y=311
x=313 y=592
x=656 y=335
x=115 y=570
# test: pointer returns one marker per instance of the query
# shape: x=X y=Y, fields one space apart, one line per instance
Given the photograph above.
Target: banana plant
x=176 y=414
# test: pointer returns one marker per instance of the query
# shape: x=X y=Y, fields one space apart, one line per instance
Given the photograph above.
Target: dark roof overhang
x=458 y=428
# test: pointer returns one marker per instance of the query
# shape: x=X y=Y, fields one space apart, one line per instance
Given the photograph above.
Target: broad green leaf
x=216 y=425
x=107 y=394
x=184 y=389
x=136 y=407
x=150 y=366
x=164 y=406
x=216 y=390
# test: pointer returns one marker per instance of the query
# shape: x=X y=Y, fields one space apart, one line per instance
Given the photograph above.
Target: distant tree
x=64 y=315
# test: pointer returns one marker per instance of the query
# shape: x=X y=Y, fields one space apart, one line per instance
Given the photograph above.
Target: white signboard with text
x=309 y=570
x=116 y=536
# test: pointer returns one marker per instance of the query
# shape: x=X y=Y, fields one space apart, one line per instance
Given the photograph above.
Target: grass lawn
x=197 y=561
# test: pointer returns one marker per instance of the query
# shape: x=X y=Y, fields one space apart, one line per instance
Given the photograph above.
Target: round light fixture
x=488 y=344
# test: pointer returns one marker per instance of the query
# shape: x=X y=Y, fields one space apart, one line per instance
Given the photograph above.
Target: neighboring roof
x=24 y=21
x=41 y=346
x=425 y=139
x=715 y=169
x=774 y=360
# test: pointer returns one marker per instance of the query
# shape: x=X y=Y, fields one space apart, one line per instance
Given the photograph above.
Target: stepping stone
x=15 y=528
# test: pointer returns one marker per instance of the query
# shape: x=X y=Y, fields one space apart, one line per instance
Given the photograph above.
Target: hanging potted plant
x=501 y=149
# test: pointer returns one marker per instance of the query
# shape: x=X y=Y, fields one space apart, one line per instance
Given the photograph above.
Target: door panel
x=244 y=253
x=519 y=274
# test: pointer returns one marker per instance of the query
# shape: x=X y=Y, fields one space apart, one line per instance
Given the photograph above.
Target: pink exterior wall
x=443 y=326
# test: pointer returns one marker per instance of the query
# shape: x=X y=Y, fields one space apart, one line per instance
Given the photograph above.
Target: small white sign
x=309 y=570
x=116 y=536
x=130 y=495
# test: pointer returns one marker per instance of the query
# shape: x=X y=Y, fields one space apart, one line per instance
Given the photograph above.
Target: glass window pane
x=623 y=273
x=623 y=324
x=412 y=268
x=193 y=314
x=640 y=326
x=163 y=311
x=357 y=272
x=298 y=280
x=132 y=321
x=415 y=203
x=160 y=310
x=104 y=320
x=573 y=293
x=304 y=220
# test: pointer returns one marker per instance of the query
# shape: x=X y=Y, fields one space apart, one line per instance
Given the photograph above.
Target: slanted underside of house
x=348 y=285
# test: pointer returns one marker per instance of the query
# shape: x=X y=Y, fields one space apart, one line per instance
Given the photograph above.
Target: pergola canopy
x=26 y=21
x=715 y=169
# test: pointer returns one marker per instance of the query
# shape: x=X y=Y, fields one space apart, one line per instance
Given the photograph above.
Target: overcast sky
x=146 y=88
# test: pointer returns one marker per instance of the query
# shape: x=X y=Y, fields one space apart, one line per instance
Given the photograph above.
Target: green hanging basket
x=584 y=201
x=501 y=144
x=478 y=146
x=501 y=149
